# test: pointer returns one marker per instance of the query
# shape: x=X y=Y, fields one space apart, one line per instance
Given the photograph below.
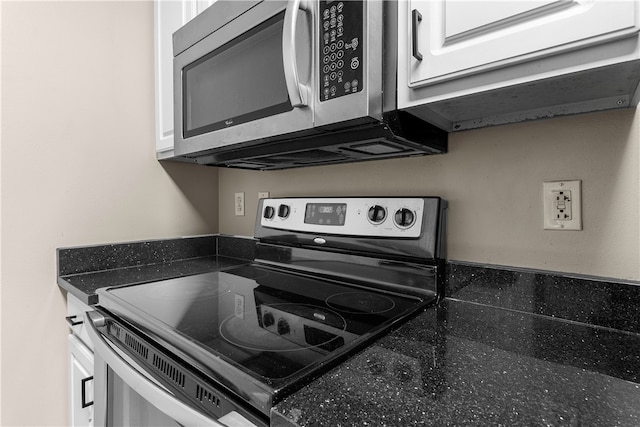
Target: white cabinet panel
x=464 y=64
x=75 y=318
x=464 y=18
x=169 y=15
x=202 y=5
x=80 y=383
x=80 y=364
x=458 y=38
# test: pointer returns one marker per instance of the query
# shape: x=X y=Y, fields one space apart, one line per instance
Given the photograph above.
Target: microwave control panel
x=341 y=39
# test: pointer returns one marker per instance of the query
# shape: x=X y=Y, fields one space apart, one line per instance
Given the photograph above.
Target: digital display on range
x=325 y=213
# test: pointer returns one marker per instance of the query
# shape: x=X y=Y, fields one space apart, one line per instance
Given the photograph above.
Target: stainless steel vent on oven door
x=126 y=394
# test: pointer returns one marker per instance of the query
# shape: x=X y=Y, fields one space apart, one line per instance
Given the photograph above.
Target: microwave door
x=248 y=80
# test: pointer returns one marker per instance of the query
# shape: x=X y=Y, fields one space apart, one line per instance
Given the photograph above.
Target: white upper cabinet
x=169 y=15
x=201 y=5
x=458 y=38
x=458 y=57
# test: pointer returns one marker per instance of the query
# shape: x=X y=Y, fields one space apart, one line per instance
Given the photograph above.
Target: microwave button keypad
x=342 y=29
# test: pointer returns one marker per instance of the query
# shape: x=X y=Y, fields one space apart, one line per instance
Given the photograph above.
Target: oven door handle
x=298 y=92
x=132 y=376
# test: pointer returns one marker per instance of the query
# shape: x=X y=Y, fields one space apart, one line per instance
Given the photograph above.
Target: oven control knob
x=404 y=218
x=268 y=320
x=376 y=214
x=283 y=211
x=269 y=212
x=283 y=327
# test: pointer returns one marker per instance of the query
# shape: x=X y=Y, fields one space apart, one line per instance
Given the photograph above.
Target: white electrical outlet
x=239 y=204
x=263 y=195
x=562 y=205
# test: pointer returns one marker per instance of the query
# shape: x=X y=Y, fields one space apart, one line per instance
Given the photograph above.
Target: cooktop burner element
x=198 y=287
x=326 y=281
x=360 y=302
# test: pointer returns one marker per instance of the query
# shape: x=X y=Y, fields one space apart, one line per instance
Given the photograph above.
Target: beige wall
x=77 y=168
x=492 y=179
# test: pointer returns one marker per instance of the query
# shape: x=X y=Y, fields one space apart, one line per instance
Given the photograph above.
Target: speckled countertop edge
x=609 y=307
x=468 y=364
x=523 y=348
x=83 y=270
x=595 y=301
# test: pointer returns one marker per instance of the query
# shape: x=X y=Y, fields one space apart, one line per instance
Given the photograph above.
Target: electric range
x=330 y=276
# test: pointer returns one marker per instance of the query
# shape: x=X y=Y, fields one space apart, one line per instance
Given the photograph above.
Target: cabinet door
x=80 y=383
x=75 y=319
x=458 y=38
x=203 y=4
x=169 y=15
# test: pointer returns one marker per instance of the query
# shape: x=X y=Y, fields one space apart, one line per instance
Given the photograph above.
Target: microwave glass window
x=241 y=81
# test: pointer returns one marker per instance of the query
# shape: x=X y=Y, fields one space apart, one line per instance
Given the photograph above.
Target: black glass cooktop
x=269 y=323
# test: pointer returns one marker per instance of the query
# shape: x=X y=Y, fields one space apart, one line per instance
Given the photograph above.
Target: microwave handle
x=298 y=93
x=154 y=394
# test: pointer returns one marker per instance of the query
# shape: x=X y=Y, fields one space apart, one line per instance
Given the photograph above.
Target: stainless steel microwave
x=278 y=84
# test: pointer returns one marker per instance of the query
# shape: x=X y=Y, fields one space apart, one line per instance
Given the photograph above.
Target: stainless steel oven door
x=124 y=395
x=249 y=79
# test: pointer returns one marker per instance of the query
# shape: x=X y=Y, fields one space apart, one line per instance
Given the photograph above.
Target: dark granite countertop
x=507 y=348
x=468 y=364
x=85 y=285
x=83 y=270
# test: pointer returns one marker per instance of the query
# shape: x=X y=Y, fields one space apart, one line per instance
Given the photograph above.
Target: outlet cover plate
x=562 y=202
x=239 y=204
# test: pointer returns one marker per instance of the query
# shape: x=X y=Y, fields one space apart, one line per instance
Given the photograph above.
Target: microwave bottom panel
x=399 y=135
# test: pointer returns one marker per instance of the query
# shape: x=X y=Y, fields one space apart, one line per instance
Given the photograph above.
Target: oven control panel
x=371 y=217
